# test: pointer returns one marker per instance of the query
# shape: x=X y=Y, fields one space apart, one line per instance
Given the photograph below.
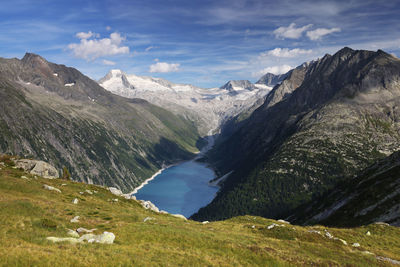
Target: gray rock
x=115 y=191
x=148 y=205
x=37 y=167
x=89 y=192
x=328 y=235
x=382 y=223
x=24 y=177
x=283 y=221
x=51 y=188
x=75 y=201
x=368 y=233
x=104 y=238
x=148 y=219
x=72 y=233
x=63 y=239
x=84 y=230
x=205 y=222
x=356 y=245
x=179 y=216
x=75 y=219
x=392 y=261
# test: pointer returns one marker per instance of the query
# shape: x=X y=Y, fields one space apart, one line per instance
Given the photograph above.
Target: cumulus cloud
x=164 y=67
x=291 y=32
x=286 y=52
x=108 y=28
x=274 y=70
x=108 y=62
x=93 y=48
x=320 y=32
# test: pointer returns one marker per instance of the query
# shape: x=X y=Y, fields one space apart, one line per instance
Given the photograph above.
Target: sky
x=200 y=42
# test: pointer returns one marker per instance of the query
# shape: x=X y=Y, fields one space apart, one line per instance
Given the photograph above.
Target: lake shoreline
x=209 y=145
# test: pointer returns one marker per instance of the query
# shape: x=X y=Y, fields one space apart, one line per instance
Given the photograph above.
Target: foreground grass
x=29 y=214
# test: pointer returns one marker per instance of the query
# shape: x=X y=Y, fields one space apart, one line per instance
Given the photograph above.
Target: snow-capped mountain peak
x=207 y=107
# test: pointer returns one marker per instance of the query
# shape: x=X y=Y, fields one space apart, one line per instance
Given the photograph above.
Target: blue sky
x=205 y=43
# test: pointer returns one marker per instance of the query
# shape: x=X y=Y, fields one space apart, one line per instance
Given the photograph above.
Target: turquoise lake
x=181 y=189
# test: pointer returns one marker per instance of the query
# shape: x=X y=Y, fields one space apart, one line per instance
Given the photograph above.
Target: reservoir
x=180 y=189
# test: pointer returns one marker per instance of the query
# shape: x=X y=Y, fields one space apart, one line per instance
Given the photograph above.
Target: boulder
x=51 y=188
x=149 y=206
x=75 y=219
x=89 y=192
x=283 y=221
x=356 y=245
x=75 y=201
x=37 y=167
x=104 y=238
x=72 y=233
x=179 y=216
x=115 y=191
x=205 y=222
x=148 y=219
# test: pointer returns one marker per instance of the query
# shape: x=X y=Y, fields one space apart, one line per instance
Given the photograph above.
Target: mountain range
x=208 y=108
x=320 y=147
x=320 y=127
x=56 y=114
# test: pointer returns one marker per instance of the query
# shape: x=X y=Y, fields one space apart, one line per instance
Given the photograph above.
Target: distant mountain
x=55 y=113
x=372 y=196
x=207 y=108
x=270 y=79
x=238 y=85
x=328 y=120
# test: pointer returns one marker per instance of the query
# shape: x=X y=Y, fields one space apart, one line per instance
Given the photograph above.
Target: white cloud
x=291 y=31
x=320 y=32
x=149 y=48
x=108 y=62
x=286 y=52
x=95 y=48
x=87 y=35
x=274 y=70
x=108 y=28
x=164 y=67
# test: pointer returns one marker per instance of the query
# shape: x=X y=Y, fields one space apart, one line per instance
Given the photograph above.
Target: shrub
x=66 y=175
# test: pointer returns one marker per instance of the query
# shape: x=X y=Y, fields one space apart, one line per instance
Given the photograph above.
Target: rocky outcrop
x=104 y=238
x=37 y=167
x=148 y=205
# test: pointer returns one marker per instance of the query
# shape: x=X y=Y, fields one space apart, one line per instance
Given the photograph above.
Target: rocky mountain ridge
x=326 y=121
x=56 y=114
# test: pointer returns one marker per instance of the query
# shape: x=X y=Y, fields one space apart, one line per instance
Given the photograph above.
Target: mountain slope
x=337 y=116
x=29 y=214
x=372 y=196
x=207 y=108
x=54 y=113
x=270 y=79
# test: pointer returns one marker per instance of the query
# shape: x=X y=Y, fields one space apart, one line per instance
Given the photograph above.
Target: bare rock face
x=37 y=167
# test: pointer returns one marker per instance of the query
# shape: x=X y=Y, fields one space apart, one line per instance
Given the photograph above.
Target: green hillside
x=29 y=214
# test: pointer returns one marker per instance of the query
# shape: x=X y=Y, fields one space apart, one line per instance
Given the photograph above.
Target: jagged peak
x=33 y=58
